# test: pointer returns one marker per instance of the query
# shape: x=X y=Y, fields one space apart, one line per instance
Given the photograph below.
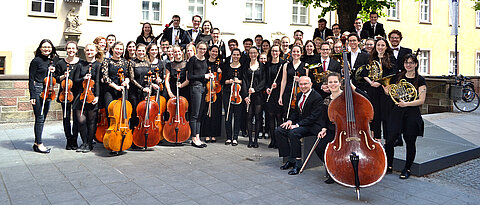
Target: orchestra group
x=180 y=85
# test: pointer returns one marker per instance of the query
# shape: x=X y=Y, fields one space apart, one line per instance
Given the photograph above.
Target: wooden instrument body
x=49 y=91
x=177 y=119
x=118 y=136
x=236 y=97
x=67 y=91
x=88 y=85
x=354 y=137
x=218 y=86
x=211 y=95
x=102 y=125
x=147 y=124
x=159 y=121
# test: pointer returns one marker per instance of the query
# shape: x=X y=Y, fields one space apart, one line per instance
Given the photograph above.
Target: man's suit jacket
x=379 y=30
x=398 y=62
x=183 y=38
x=309 y=117
x=334 y=66
x=363 y=33
x=328 y=32
x=362 y=59
x=190 y=34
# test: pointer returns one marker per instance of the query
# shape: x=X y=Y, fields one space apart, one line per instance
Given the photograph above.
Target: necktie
x=395 y=49
x=301 y=102
x=324 y=65
x=373 y=27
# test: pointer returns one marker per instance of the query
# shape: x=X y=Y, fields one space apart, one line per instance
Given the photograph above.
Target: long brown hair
x=386 y=63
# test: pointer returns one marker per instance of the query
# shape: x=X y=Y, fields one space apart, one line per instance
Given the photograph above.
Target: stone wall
x=15 y=101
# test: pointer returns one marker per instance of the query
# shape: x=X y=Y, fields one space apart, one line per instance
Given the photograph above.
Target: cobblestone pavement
x=217 y=174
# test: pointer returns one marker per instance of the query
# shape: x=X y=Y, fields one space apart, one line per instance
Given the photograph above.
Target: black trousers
x=71 y=131
x=235 y=117
x=322 y=145
x=197 y=103
x=288 y=141
x=37 y=111
x=410 y=146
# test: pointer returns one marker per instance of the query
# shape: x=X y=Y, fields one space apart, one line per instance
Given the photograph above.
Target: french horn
x=319 y=76
x=404 y=91
x=375 y=73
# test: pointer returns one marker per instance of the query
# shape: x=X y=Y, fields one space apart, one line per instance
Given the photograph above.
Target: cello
x=102 y=125
x=66 y=95
x=118 y=136
x=146 y=134
x=353 y=158
x=177 y=128
x=162 y=103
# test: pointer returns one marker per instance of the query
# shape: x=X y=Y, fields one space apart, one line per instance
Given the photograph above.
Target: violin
x=177 y=128
x=146 y=134
x=66 y=95
x=293 y=94
x=118 y=136
x=353 y=158
x=235 y=97
x=211 y=96
x=48 y=92
x=102 y=125
x=87 y=95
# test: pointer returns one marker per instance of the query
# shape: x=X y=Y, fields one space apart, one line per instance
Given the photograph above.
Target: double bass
x=118 y=136
x=146 y=134
x=177 y=128
x=353 y=158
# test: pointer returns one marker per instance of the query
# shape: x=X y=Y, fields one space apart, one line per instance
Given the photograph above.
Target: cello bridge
x=352 y=139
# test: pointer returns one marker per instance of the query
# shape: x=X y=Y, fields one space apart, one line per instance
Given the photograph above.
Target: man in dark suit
x=395 y=36
x=358 y=29
x=175 y=34
x=375 y=29
x=327 y=63
x=193 y=33
x=304 y=121
x=322 y=31
x=356 y=59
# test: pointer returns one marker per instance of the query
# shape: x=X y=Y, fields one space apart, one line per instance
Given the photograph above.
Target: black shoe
x=389 y=170
x=36 y=149
x=250 y=145
x=287 y=165
x=69 y=144
x=405 y=174
x=207 y=141
x=81 y=148
x=234 y=143
x=329 y=180
x=74 y=145
x=87 y=148
x=270 y=145
x=228 y=142
x=260 y=137
x=294 y=171
x=213 y=140
x=197 y=146
x=255 y=145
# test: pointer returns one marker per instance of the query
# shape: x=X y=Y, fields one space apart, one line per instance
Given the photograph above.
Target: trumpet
x=404 y=91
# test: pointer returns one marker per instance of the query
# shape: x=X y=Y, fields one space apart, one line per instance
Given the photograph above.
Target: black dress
x=172 y=67
x=271 y=70
x=291 y=72
x=211 y=126
x=235 y=111
x=81 y=69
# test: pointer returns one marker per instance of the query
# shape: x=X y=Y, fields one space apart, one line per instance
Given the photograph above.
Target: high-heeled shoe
x=197 y=146
x=234 y=143
x=228 y=142
x=405 y=174
x=37 y=149
x=255 y=145
x=213 y=140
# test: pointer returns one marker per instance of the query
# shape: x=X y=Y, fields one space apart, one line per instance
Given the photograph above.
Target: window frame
x=252 y=20
x=98 y=16
x=298 y=5
x=397 y=10
x=428 y=59
x=195 y=6
x=151 y=12
x=8 y=62
x=477 y=62
x=477 y=19
x=451 y=62
x=42 y=12
x=429 y=20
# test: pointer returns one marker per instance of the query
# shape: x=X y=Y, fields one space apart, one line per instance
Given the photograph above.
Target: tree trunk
x=347 y=13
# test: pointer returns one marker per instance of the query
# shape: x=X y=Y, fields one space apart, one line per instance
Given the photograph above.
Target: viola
x=118 y=136
x=218 y=77
x=102 y=125
x=235 y=97
x=211 y=96
x=48 y=92
x=87 y=95
x=177 y=128
x=293 y=94
x=146 y=134
x=353 y=158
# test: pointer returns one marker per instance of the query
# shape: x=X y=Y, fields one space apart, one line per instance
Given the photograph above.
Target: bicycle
x=463 y=94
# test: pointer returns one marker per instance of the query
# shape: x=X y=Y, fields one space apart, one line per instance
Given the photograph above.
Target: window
x=196 y=7
x=424 y=62
x=299 y=13
x=478 y=62
x=394 y=11
x=451 y=67
x=254 y=10
x=151 y=11
x=2 y=65
x=425 y=11
x=43 y=7
x=477 y=22
x=100 y=9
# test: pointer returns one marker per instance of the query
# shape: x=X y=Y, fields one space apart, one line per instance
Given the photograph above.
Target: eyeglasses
x=46 y=47
x=396 y=38
x=369 y=44
x=409 y=63
x=336 y=28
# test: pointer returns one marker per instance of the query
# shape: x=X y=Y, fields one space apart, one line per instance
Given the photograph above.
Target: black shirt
x=81 y=69
x=37 y=72
x=196 y=70
x=110 y=69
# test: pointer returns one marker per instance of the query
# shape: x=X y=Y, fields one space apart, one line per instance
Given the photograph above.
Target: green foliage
x=477 y=5
x=367 y=6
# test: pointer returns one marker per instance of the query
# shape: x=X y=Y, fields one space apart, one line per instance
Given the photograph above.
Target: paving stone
x=64 y=196
x=103 y=199
x=37 y=200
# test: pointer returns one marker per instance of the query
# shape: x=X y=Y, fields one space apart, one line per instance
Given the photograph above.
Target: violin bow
x=46 y=87
x=86 y=89
x=309 y=155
